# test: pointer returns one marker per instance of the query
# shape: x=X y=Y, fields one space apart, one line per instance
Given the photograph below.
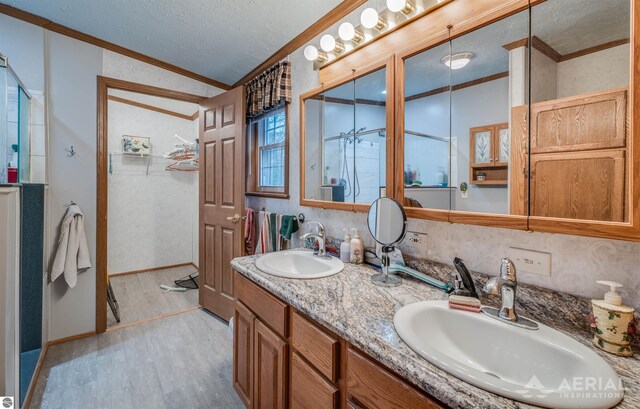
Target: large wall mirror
x=427 y=133
x=345 y=142
x=459 y=97
x=518 y=117
x=523 y=122
x=579 y=110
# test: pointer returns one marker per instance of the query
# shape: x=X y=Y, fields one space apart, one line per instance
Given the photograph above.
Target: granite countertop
x=352 y=307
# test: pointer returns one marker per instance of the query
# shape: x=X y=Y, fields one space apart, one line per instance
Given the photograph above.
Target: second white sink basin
x=543 y=367
x=299 y=264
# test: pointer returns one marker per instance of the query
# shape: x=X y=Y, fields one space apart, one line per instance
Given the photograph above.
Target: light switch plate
x=530 y=261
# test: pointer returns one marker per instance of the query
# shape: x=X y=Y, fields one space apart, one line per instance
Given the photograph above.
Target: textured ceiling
x=220 y=39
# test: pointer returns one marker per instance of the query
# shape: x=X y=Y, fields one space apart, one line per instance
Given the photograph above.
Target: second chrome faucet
x=505 y=285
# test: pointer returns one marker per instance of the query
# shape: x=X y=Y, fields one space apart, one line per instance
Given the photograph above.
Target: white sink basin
x=298 y=264
x=541 y=367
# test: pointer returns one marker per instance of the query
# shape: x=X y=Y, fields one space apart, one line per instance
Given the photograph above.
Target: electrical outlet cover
x=531 y=261
x=415 y=244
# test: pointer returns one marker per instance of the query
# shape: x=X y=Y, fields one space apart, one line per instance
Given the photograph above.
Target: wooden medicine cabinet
x=508 y=113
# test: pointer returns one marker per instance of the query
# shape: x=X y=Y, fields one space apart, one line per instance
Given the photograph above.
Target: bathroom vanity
x=331 y=343
x=284 y=358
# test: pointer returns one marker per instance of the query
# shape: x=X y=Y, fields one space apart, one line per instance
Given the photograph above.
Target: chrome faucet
x=505 y=285
x=319 y=238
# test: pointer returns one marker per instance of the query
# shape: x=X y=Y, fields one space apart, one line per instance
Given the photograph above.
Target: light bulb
x=369 y=18
x=327 y=42
x=311 y=53
x=396 y=5
x=346 y=31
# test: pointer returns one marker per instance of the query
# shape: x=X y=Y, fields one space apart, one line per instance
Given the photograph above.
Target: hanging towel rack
x=300 y=217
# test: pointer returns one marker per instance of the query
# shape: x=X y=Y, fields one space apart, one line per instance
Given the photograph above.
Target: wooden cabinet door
x=243 y=330
x=501 y=145
x=584 y=122
x=221 y=198
x=481 y=146
x=579 y=185
x=269 y=369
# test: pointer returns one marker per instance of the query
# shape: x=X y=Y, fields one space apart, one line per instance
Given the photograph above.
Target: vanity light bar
x=370 y=19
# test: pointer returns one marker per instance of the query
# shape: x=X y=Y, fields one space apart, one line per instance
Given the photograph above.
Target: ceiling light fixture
x=329 y=44
x=457 y=61
x=347 y=32
x=405 y=6
x=311 y=53
x=370 y=19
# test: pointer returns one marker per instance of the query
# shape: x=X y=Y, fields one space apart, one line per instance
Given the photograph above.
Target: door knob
x=235 y=218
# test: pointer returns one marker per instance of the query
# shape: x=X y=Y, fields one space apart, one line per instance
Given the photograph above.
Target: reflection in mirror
x=426 y=130
x=488 y=84
x=580 y=61
x=387 y=223
x=345 y=141
x=338 y=149
x=370 y=139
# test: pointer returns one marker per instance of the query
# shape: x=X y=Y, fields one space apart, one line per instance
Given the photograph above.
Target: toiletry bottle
x=345 y=247
x=357 y=248
x=614 y=322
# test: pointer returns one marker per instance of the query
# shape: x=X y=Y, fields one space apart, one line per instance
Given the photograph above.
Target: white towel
x=72 y=255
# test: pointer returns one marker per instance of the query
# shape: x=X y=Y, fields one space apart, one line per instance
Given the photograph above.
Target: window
x=270 y=155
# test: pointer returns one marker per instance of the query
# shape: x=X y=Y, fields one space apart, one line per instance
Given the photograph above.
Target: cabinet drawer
x=308 y=388
x=318 y=347
x=268 y=308
x=371 y=386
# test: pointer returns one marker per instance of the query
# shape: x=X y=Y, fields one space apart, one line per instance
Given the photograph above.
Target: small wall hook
x=70 y=151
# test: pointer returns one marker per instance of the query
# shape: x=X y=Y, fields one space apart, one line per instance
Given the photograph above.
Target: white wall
x=151 y=216
x=69 y=76
x=72 y=68
x=23 y=44
x=576 y=261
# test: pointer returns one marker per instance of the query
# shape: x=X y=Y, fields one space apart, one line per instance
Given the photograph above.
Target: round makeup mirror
x=388 y=225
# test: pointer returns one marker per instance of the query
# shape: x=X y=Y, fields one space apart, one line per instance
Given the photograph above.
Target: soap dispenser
x=357 y=248
x=614 y=322
x=345 y=247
